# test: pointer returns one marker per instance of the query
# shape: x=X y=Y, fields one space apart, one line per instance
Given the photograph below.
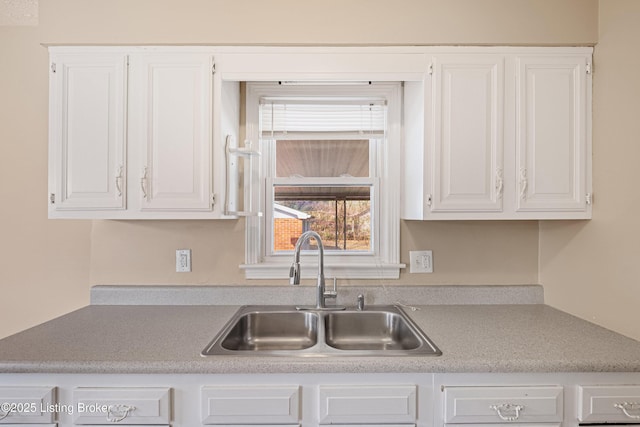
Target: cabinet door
x=87 y=132
x=466 y=133
x=368 y=404
x=552 y=133
x=251 y=404
x=123 y=405
x=172 y=121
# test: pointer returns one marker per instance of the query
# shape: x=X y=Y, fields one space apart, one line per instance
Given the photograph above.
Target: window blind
x=344 y=117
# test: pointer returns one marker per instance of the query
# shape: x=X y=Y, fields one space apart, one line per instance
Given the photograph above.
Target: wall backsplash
x=465 y=252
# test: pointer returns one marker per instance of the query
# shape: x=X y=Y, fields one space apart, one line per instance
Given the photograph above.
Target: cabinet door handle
x=524 y=183
x=119 y=180
x=117 y=413
x=143 y=182
x=625 y=407
x=507 y=411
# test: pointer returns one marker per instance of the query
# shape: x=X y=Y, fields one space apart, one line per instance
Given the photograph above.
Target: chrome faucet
x=294 y=273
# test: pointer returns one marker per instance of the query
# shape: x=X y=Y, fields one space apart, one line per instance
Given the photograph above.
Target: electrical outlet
x=421 y=262
x=183 y=260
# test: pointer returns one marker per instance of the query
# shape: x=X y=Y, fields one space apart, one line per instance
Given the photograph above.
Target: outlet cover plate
x=183 y=260
x=421 y=262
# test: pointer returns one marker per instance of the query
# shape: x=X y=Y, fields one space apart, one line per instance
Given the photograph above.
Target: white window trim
x=385 y=264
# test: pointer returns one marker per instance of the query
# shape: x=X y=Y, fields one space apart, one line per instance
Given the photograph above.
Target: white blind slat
x=338 y=116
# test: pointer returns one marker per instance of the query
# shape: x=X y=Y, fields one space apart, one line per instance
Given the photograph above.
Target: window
x=330 y=163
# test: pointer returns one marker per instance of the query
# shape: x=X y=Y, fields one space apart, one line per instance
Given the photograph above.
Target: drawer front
x=126 y=405
x=251 y=405
x=27 y=405
x=503 y=404
x=612 y=404
x=30 y=425
x=368 y=404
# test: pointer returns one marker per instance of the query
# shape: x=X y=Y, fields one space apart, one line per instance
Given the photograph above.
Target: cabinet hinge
x=213 y=200
x=430 y=69
x=53 y=67
x=589 y=199
x=213 y=68
x=429 y=199
x=588 y=68
x=52 y=198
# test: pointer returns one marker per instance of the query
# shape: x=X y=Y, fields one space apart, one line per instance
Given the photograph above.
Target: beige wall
x=592 y=269
x=58 y=261
x=44 y=265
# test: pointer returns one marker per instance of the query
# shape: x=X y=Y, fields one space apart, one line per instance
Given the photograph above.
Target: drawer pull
x=117 y=413
x=625 y=407
x=507 y=411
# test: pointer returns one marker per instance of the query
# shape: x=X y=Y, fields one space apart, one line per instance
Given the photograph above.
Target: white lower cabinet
x=335 y=399
x=371 y=404
x=121 y=405
x=252 y=405
x=609 y=404
x=500 y=404
x=25 y=406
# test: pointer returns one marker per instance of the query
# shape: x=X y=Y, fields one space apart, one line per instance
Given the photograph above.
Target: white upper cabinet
x=552 y=130
x=465 y=135
x=87 y=128
x=503 y=134
x=489 y=132
x=171 y=124
x=138 y=133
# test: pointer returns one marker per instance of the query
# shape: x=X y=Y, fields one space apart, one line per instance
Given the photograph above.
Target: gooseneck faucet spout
x=294 y=271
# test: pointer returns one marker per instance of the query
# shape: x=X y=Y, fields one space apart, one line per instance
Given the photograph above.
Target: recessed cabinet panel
x=466 y=132
x=251 y=405
x=503 y=404
x=609 y=404
x=367 y=404
x=87 y=131
x=552 y=130
x=27 y=405
x=121 y=405
x=173 y=121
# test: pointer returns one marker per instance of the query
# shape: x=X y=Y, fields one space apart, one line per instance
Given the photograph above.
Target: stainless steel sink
x=284 y=331
x=266 y=331
x=365 y=330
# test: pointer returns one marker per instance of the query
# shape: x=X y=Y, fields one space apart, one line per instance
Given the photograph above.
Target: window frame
x=383 y=261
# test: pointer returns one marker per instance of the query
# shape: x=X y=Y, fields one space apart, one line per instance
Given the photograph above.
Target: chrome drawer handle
x=117 y=413
x=504 y=410
x=625 y=407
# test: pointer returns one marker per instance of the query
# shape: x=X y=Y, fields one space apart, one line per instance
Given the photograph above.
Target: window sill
x=310 y=271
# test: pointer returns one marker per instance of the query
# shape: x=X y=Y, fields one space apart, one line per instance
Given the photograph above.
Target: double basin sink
x=285 y=331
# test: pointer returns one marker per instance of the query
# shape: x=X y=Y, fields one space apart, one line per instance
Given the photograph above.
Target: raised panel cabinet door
x=173 y=119
x=368 y=404
x=552 y=133
x=503 y=404
x=87 y=131
x=466 y=133
x=122 y=405
x=251 y=404
x=27 y=405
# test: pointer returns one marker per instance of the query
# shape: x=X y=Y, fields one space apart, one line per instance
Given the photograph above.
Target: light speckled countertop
x=169 y=339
